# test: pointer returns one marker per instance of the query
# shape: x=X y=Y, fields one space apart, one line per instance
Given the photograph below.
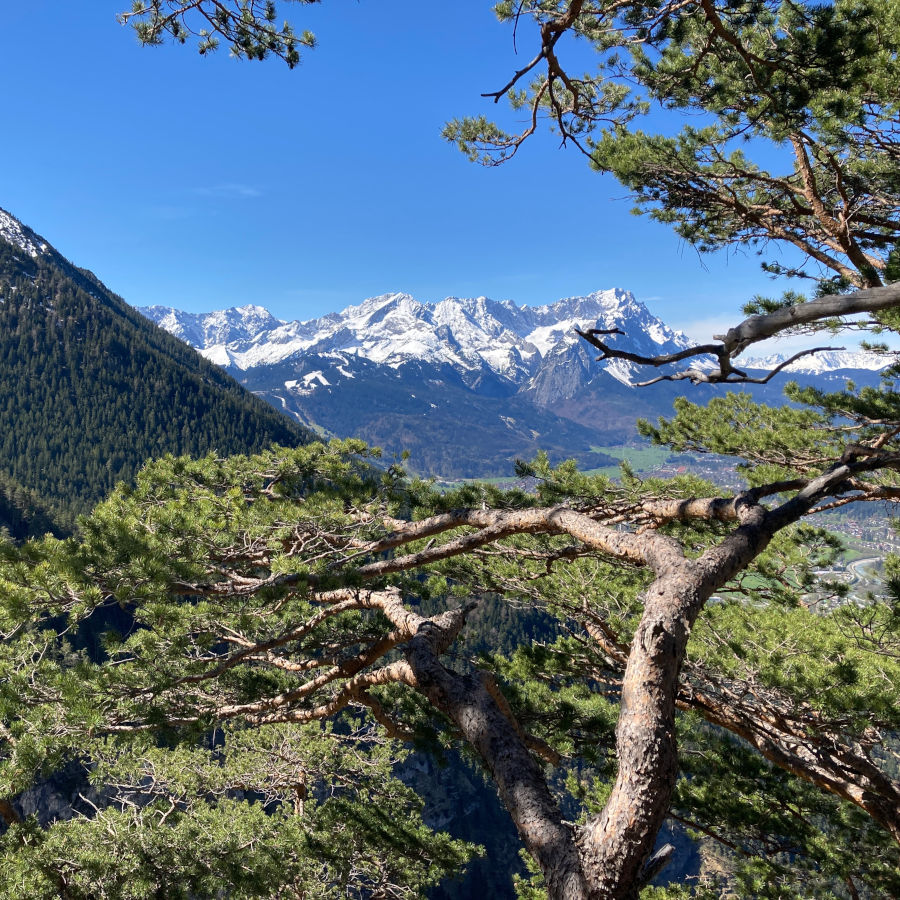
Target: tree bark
x=609 y=859
x=468 y=702
x=618 y=843
x=8 y=813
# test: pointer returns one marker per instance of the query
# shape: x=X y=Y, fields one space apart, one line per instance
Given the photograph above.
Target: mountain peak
x=472 y=335
x=252 y=309
x=381 y=302
x=19 y=235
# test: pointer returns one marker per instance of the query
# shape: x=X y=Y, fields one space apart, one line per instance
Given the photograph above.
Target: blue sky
x=204 y=183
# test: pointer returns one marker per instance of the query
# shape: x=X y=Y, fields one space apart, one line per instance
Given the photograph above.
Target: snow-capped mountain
x=467 y=385
x=471 y=335
x=824 y=362
x=216 y=328
x=19 y=235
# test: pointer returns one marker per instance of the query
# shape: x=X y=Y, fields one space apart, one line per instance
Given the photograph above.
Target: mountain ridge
x=245 y=337
x=467 y=385
x=469 y=333
x=90 y=389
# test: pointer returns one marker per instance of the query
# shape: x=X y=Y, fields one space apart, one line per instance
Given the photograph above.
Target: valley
x=345 y=556
x=468 y=385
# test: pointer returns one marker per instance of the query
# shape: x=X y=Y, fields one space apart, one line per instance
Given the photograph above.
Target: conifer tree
x=298 y=587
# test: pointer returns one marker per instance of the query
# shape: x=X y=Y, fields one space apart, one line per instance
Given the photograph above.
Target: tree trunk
x=617 y=844
x=8 y=813
x=519 y=778
x=609 y=861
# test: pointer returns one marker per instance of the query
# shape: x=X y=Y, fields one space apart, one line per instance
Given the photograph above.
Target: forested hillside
x=89 y=390
x=23 y=514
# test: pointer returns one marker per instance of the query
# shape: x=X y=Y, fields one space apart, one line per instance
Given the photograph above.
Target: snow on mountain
x=471 y=335
x=821 y=363
x=12 y=230
x=406 y=375
x=534 y=349
x=213 y=329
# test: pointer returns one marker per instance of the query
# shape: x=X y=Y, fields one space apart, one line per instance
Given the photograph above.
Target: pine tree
x=292 y=588
x=91 y=389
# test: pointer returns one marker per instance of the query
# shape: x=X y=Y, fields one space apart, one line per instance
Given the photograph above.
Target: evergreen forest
x=90 y=390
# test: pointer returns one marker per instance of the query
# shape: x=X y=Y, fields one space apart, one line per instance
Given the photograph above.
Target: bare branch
x=832 y=306
x=734 y=376
x=753 y=330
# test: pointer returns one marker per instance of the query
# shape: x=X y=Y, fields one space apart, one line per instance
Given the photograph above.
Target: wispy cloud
x=702 y=330
x=228 y=191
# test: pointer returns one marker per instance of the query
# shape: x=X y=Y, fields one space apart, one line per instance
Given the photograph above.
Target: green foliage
x=822 y=72
x=175 y=722
x=249 y=26
x=180 y=809
x=276 y=812
x=797 y=112
x=764 y=305
x=23 y=514
x=778 y=836
x=773 y=442
x=820 y=662
x=866 y=407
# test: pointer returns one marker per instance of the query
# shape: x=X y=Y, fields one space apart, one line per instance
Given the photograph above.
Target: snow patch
x=217 y=355
x=12 y=230
x=315 y=376
x=826 y=361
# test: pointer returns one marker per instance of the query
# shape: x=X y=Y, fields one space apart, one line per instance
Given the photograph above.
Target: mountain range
x=475 y=336
x=465 y=385
x=90 y=388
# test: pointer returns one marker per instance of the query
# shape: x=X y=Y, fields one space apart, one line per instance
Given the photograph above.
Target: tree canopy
x=249 y=27
x=90 y=389
x=274 y=592
x=287 y=617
